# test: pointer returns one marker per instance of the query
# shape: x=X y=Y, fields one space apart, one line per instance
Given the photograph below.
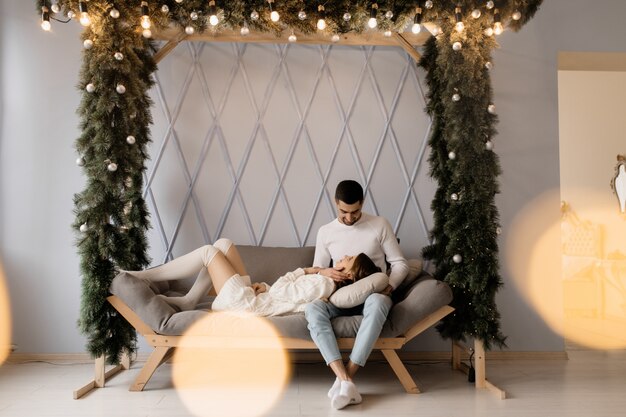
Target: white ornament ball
x=90 y=88
x=114 y=13
x=452 y=156
x=130 y=140
x=335 y=38
x=118 y=56
x=457 y=259
x=498 y=230
x=189 y=30
x=245 y=31
x=490 y=4
x=488 y=65
x=55 y=8
x=476 y=13
x=292 y=38
x=88 y=44
x=347 y=16
x=301 y=15
x=147 y=33
x=71 y=14
x=83 y=227
x=112 y=167
x=456 y=97
x=489 y=145
x=428 y=4
x=80 y=161
x=387 y=33
x=491 y=108
x=165 y=8
x=179 y=1
x=120 y=88
x=457 y=46
x=454 y=197
x=489 y=31
x=388 y=14
x=254 y=15
x=517 y=15
x=194 y=15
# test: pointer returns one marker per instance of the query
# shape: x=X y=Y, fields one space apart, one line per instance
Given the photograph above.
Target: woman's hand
x=258 y=288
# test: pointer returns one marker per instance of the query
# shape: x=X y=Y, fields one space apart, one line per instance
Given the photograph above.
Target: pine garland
x=111 y=215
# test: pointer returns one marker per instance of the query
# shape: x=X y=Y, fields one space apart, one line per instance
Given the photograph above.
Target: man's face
x=348 y=214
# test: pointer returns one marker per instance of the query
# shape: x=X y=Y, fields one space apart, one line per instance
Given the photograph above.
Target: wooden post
x=456 y=355
x=99 y=372
x=480 y=366
x=101 y=375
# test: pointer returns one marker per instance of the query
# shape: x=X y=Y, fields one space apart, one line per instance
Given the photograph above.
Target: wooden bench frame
x=164 y=347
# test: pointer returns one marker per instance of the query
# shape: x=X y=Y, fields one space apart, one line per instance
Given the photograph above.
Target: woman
x=220 y=265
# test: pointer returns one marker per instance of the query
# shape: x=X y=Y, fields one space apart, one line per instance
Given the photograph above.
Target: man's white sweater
x=371 y=235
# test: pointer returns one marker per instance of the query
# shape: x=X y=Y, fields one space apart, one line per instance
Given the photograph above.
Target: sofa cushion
x=266 y=264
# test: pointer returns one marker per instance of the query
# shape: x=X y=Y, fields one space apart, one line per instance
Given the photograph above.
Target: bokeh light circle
x=231 y=364
x=581 y=296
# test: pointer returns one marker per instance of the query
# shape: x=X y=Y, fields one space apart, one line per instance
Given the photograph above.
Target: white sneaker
x=348 y=394
x=335 y=388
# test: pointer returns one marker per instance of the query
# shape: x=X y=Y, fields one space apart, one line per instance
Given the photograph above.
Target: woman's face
x=345 y=264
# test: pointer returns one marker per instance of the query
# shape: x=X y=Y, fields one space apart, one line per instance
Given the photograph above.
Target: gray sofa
x=419 y=302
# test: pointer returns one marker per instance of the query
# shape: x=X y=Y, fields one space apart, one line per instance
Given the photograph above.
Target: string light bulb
x=459 y=26
x=245 y=30
x=497 y=23
x=45 y=19
x=372 y=22
x=417 y=21
x=321 y=22
x=213 y=19
x=84 y=19
x=274 y=16
x=145 y=19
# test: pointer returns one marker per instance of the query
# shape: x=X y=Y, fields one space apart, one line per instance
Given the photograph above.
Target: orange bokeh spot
x=231 y=365
x=560 y=264
x=5 y=319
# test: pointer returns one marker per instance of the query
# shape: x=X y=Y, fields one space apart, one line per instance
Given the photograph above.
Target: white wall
x=38 y=177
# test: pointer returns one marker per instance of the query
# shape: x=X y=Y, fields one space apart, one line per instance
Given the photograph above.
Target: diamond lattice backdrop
x=250 y=140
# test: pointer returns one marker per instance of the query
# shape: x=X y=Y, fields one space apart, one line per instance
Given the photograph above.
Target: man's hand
x=334 y=274
x=387 y=291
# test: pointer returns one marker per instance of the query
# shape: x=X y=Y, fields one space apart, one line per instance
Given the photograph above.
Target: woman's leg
x=215 y=269
x=184 y=266
x=228 y=248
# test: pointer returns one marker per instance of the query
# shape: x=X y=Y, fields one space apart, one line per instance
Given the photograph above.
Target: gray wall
x=38 y=176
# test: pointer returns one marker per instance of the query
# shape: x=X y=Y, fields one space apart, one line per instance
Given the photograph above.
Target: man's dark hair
x=349 y=191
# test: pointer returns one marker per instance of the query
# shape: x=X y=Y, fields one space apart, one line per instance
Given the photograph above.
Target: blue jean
x=320 y=313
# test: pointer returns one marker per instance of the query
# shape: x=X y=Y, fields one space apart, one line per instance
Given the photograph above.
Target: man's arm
x=393 y=254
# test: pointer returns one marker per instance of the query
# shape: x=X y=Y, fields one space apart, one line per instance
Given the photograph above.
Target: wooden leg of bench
x=100 y=377
x=156 y=358
x=401 y=372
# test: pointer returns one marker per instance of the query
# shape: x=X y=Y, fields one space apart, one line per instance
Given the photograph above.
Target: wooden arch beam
x=407 y=40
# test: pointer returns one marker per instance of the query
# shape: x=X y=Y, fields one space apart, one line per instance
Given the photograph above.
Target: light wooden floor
x=589 y=384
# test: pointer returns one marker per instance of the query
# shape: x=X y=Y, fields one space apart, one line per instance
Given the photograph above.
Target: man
x=353 y=232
